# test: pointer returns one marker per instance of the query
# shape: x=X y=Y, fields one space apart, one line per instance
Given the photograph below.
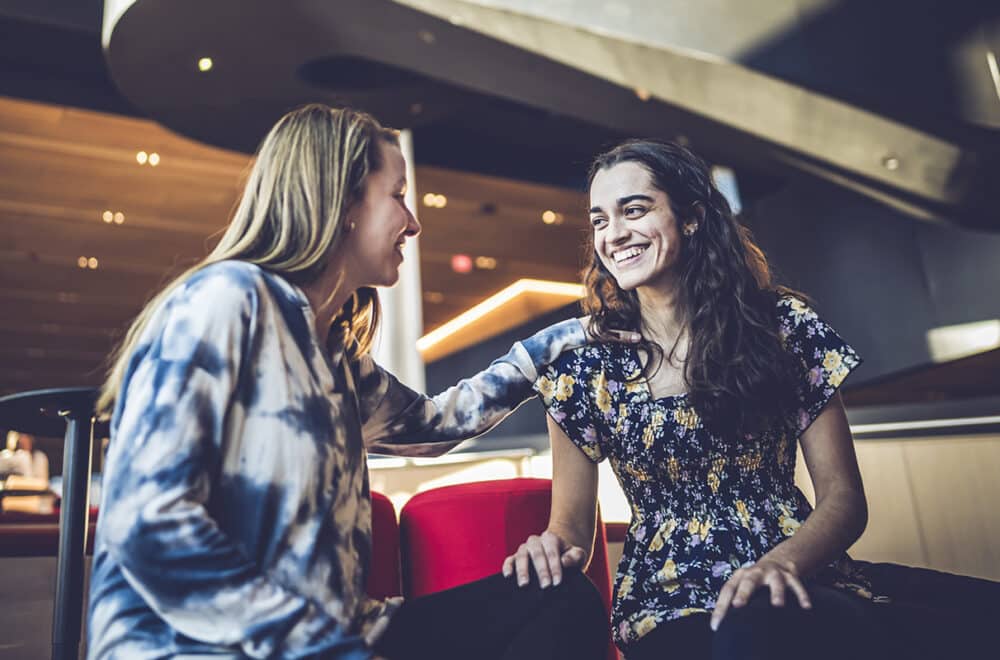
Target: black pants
x=933 y=616
x=495 y=619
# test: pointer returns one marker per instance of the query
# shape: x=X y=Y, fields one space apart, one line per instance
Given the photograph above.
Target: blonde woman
x=235 y=510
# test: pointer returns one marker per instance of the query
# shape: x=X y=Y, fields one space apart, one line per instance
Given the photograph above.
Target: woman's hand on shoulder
x=549 y=554
x=622 y=336
x=774 y=574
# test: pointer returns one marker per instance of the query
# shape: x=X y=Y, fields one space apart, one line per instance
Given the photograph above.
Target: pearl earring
x=690 y=229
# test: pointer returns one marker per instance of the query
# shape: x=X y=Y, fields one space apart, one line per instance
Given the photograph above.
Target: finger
x=748 y=585
x=776 y=584
x=522 y=562
x=725 y=597
x=574 y=557
x=541 y=563
x=800 y=591
x=550 y=545
x=508 y=566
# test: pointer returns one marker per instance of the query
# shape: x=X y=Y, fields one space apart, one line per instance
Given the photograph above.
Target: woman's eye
x=634 y=211
x=597 y=222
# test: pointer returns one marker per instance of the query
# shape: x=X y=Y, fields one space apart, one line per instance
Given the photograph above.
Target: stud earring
x=350 y=226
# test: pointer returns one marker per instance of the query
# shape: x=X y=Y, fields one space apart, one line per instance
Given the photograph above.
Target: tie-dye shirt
x=235 y=512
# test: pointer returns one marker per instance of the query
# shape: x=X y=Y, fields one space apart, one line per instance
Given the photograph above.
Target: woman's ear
x=697 y=212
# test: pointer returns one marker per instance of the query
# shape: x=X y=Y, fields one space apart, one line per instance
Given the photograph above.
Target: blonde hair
x=309 y=170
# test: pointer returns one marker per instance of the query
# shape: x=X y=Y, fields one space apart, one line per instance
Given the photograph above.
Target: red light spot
x=461 y=263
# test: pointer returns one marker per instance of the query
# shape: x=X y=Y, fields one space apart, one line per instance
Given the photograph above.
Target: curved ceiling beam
x=461 y=50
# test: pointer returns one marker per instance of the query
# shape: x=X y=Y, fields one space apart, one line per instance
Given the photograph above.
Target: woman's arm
x=839 y=518
x=399 y=421
x=568 y=541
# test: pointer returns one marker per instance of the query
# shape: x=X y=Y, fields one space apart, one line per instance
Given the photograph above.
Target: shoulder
x=589 y=359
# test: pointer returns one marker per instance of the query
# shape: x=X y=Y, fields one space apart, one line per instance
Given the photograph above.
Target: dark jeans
x=495 y=619
x=932 y=616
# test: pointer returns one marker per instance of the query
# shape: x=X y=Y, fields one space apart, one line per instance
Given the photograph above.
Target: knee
x=580 y=598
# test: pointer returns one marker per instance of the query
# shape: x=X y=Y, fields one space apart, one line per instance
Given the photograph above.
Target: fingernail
x=521 y=582
x=714 y=625
x=544 y=582
x=556 y=580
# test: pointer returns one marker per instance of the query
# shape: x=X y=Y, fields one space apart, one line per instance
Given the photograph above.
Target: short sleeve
x=825 y=357
x=564 y=387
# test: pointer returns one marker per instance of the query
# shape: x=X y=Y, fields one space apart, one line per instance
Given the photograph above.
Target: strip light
x=496 y=301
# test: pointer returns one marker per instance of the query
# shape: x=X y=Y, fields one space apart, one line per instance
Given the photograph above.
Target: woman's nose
x=412 y=224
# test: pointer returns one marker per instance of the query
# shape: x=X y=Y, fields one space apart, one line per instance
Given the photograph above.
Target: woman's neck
x=327 y=295
x=661 y=321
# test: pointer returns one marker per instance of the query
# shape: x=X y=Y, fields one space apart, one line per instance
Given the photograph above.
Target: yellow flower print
x=622 y=416
x=600 y=386
x=647 y=436
x=665 y=530
x=625 y=588
x=837 y=376
x=693 y=526
x=798 y=307
x=656 y=421
x=718 y=465
x=706 y=527
x=673 y=468
x=564 y=388
x=743 y=513
x=789 y=525
x=687 y=611
x=633 y=383
x=832 y=360
x=686 y=417
x=644 y=626
x=713 y=482
x=591 y=452
x=667 y=576
x=546 y=388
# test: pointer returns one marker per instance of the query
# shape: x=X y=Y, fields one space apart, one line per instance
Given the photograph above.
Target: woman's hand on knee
x=549 y=554
x=775 y=575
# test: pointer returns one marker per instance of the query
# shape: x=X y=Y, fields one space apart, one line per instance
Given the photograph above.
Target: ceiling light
x=107 y=216
x=552 y=218
x=890 y=163
x=952 y=342
x=141 y=157
x=205 y=64
x=435 y=200
x=520 y=287
x=486 y=263
x=434 y=297
x=461 y=263
x=119 y=218
x=154 y=159
x=92 y=263
x=82 y=262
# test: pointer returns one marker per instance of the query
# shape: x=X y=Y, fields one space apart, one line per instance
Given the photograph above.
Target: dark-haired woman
x=724 y=558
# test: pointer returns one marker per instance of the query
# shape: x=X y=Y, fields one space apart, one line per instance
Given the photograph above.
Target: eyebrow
x=622 y=201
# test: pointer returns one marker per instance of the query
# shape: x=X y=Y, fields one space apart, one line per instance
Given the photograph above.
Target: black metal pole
x=67 y=612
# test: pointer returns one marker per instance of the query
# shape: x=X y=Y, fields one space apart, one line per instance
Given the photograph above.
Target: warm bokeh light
x=205 y=64
x=461 y=263
x=486 y=263
x=108 y=216
x=141 y=157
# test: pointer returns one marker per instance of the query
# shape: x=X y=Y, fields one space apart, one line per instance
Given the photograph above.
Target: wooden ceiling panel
x=60 y=169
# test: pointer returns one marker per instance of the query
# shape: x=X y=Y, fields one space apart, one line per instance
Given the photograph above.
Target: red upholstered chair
x=457 y=534
x=383 y=575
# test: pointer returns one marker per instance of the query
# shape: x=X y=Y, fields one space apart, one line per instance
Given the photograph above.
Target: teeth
x=628 y=254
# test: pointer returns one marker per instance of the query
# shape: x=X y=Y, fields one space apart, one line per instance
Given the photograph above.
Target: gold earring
x=690 y=229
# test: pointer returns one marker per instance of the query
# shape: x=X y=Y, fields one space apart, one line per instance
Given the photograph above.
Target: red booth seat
x=457 y=534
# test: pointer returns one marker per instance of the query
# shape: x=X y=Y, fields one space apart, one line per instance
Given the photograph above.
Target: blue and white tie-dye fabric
x=235 y=513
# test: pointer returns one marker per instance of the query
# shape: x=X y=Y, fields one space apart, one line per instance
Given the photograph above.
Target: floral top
x=702 y=505
x=235 y=511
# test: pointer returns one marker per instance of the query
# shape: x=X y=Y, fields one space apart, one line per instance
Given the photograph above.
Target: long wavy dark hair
x=740 y=379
